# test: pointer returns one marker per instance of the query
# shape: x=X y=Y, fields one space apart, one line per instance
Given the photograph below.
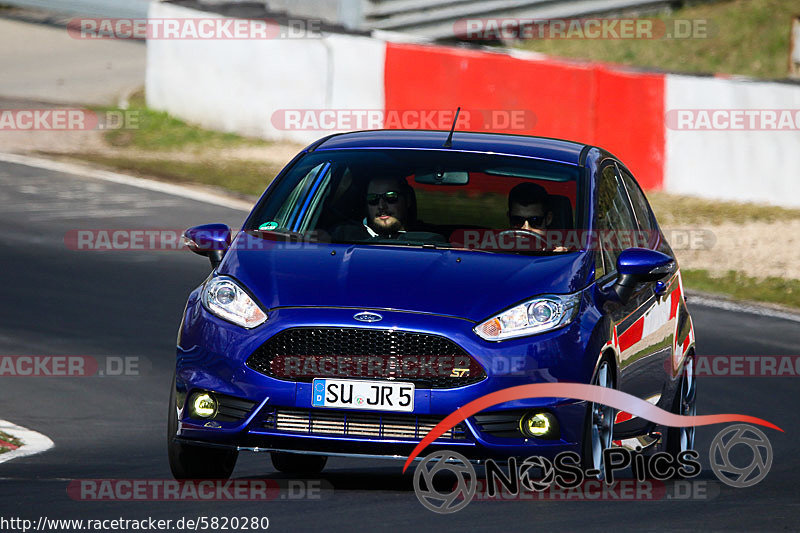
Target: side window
x=314 y=210
x=644 y=214
x=613 y=216
x=288 y=211
x=640 y=206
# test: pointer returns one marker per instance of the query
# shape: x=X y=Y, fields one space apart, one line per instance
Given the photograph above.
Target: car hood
x=463 y=284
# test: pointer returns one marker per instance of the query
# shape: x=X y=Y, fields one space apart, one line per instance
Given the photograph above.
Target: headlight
x=224 y=298
x=535 y=316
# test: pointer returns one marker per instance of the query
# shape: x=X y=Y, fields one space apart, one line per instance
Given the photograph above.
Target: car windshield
x=428 y=198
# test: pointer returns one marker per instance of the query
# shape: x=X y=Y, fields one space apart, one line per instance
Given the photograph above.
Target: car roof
x=505 y=144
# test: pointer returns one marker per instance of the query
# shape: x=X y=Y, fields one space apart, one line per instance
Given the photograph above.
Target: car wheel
x=685 y=403
x=195 y=462
x=598 y=429
x=295 y=463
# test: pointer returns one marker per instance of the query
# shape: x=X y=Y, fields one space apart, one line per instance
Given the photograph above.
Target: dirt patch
x=92 y=142
x=757 y=249
x=21 y=142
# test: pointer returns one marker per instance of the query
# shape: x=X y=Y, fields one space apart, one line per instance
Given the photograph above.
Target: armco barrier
x=241 y=85
x=92 y=8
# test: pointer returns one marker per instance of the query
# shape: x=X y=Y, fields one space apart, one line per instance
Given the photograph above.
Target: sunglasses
x=534 y=222
x=391 y=197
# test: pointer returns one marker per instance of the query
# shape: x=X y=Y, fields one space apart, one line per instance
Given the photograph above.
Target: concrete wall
x=243 y=85
x=732 y=164
x=237 y=85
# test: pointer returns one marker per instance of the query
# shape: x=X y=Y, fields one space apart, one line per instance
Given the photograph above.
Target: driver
x=528 y=208
x=387 y=207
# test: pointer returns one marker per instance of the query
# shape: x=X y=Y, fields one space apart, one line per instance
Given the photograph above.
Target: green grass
x=675 y=209
x=239 y=176
x=158 y=146
x=157 y=130
x=743 y=287
x=8 y=438
x=747 y=37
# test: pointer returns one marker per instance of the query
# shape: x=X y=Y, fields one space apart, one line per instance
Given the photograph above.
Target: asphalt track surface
x=57 y=301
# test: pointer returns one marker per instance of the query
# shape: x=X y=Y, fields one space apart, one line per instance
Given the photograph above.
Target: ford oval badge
x=368 y=317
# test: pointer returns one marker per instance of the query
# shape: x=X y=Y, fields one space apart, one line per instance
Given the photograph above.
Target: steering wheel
x=522 y=235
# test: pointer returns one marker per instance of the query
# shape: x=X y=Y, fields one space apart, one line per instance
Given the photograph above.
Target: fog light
x=539 y=425
x=204 y=405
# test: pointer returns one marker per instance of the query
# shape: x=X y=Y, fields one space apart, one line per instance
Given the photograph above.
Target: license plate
x=354 y=394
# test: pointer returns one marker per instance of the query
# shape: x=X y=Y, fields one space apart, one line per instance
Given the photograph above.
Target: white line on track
x=32 y=441
x=142 y=183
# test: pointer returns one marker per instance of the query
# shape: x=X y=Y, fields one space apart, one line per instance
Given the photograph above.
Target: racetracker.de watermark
x=169 y=239
x=510 y=28
x=193 y=28
x=733 y=119
x=197 y=490
x=72 y=366
x=431 y=119
x=389 y=366
x=62 y=119
x=597 y=490
x=745 y=366
x=521 y=241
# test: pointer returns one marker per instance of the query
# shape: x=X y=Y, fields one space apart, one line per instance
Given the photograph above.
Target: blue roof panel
x=520 y=145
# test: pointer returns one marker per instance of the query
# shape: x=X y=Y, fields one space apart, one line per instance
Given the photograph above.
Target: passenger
x=529 y=210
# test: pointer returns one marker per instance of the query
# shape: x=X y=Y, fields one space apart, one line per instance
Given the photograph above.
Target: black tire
x=295 y=463
x=683 y=403
x=195 y=462
x=588 y=460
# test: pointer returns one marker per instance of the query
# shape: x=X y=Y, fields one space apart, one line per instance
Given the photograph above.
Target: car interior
x=433 y=208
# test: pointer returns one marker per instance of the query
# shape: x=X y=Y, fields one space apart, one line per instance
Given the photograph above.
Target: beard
x=390 y=225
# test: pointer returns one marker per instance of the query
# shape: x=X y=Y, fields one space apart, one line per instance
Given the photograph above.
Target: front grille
x=428 y=361
x=381 y=426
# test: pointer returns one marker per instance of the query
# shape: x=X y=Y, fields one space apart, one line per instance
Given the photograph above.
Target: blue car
x=386 y=278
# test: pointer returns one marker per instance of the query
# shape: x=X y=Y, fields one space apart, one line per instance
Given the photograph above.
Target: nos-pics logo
x=455 y=496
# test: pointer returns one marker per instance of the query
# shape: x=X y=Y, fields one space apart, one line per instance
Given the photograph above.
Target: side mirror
x=637 y=265
x=210 y=240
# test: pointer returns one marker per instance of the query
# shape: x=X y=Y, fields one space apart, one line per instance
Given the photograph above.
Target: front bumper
x=212 y=355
